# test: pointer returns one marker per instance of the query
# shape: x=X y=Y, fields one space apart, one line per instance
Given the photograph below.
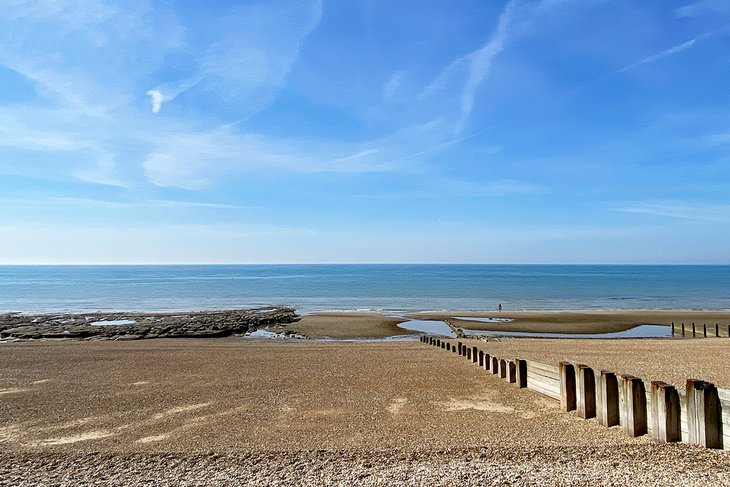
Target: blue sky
x=525 y=131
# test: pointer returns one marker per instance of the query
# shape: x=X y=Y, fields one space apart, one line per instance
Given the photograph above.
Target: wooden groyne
x=700 y=330
x=698 y=414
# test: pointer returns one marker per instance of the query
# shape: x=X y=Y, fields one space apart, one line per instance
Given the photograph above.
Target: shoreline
x=288 y=322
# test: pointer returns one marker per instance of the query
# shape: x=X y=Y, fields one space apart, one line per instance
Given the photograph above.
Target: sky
x=364 y=131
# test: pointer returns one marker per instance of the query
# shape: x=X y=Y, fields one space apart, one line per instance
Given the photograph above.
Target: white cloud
x=247 y=60
x=196 y=160
x=658 y=56
x=85 y=55
x=671 y=51
x=391 y=86
x=480 y=63
x=156 y=98
x=701 y=212
x=104 y=173
x=704 y=7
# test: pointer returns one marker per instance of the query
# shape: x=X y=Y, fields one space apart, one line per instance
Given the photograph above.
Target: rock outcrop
x=135 y=326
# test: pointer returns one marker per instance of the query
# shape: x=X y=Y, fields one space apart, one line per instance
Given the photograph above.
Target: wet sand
x=348 y=325
x=574 y=321
x=217 y=411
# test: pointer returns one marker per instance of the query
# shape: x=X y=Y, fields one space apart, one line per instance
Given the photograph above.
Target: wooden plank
x=546 y=380
x=543 y=366
x=545 y=392
x=724 y=394
x=543 y=369
x=546 y=383
x=549 y=383
x=543 y=377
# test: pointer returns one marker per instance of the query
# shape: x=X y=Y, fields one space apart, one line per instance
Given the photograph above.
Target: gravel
x=218 y=412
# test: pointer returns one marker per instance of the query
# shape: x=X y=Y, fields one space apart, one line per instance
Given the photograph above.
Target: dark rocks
x=135 y=326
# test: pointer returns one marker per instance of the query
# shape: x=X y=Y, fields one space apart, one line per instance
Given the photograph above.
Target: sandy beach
x=573 y=321
x=347 y=325
x=210 y=411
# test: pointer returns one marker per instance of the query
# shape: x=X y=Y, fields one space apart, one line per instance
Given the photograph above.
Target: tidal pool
x=112 y=322
x=640 y=331
x=427 y=326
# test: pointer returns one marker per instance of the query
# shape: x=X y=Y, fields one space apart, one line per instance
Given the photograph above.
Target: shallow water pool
x=427 y=326
x=641 y=331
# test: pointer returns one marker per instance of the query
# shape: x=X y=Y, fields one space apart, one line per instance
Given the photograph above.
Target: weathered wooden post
x=704 y=414
x=672 y=328
x=481 y=359
x=717 y=330
x=683 y=328
x=521 y=373
x=460 y=346
x=567 y=386
x=487 y=362
x=495 y=365
x=511 y=371
x=502 y=368
x=704 y=330
x=474 y=355
x=608 y=413
x=665 y=414
x=585 y=392
x=693 y=329
x=468 y=353
x=633 y=411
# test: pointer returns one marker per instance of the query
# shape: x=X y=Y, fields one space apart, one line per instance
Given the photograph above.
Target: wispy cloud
x=390 y=87
x=480 y=63
x=106 y=173
x=658 y=56
x=703 y=7
x=64 y=201
x=671 y=51
x=194 y=160
x=248 y=59
x=701 y=212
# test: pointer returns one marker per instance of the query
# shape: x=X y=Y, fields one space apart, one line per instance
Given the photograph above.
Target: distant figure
x=499 y=308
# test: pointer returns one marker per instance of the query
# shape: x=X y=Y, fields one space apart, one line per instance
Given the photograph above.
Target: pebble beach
x=255 y=412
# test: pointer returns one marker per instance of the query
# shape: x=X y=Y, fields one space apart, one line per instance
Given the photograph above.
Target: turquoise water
x=392 y=288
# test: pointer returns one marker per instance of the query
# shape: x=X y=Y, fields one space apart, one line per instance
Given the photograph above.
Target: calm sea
x=391 y=288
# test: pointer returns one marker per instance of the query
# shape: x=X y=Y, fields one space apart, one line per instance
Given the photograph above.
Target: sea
x=392 y=289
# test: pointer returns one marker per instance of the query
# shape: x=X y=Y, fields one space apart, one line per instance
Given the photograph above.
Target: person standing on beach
x=499 y=307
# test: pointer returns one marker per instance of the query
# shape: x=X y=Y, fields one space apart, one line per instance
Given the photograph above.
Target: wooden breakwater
x=700 y=330
x=698 y=414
